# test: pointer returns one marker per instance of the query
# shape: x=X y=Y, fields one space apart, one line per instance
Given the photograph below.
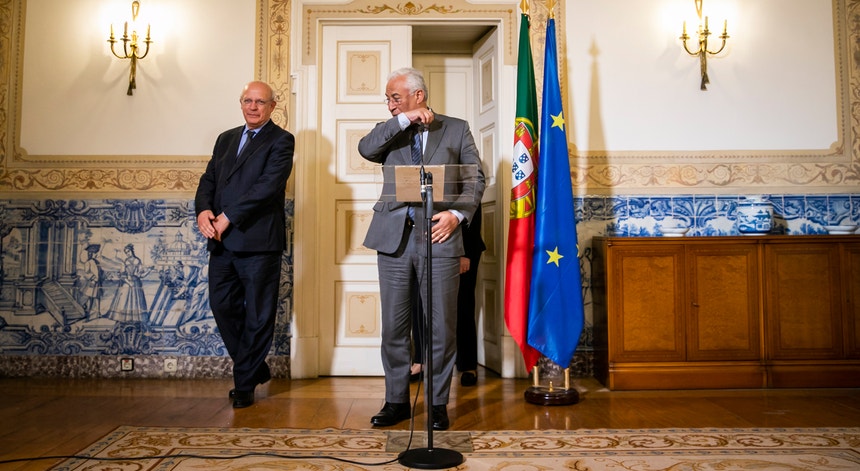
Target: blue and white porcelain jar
x=755 y=216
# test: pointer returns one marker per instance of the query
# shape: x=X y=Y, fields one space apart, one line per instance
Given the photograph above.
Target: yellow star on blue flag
x=554 y=256
x=558 y=121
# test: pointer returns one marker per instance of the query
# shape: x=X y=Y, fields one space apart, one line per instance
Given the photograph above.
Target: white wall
x=74 y=92
x=772 y=88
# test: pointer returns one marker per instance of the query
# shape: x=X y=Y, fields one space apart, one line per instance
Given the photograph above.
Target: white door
x=487 y=129
x=464 y=86
x=353 y=72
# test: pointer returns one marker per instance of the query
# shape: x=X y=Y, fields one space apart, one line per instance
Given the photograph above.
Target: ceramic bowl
x=673 y=231
x=846 y=229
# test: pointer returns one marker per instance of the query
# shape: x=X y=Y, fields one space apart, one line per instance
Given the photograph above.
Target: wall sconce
x=130 y=46
x=702 y=51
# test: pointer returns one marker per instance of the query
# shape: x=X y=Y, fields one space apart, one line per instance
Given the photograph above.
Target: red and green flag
x=521 y=229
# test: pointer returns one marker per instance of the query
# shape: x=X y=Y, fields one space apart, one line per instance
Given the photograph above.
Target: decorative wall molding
x=506 y=14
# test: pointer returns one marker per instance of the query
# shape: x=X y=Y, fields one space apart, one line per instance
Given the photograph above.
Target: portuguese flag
x=522 y=212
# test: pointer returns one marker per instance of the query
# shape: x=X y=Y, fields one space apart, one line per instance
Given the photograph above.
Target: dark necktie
x=417 y=157
x=417 y=151
x=249 y=134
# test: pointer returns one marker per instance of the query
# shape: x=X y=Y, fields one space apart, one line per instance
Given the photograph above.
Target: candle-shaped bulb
x=147 y=32
x=125 y=29
x=706 y=23
x=111 y=30
x=685 y=29
x=725 y=26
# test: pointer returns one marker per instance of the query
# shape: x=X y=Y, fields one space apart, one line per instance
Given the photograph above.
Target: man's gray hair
x=414 y=80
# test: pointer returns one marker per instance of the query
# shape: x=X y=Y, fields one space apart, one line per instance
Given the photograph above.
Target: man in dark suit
x=397 y=233
x=467 y=336
x=240 y=209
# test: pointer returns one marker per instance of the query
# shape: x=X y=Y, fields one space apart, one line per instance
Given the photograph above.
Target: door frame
x=305 y=322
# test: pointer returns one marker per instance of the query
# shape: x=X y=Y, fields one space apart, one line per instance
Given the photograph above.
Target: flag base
x=551 y=397
x=544 y=391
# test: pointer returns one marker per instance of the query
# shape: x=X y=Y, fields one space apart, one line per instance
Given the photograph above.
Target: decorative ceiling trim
x=411 y=12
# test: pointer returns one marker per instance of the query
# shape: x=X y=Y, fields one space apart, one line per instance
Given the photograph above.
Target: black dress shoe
x=415 y=377
x=468 y=378
x=242 y=399
x=262 y=376
x=391 y=414
x=440 y=418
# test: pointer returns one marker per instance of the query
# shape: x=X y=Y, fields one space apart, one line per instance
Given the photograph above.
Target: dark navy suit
x=245 y=265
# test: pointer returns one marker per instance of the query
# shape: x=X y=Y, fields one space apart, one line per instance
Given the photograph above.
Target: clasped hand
x=211 y=226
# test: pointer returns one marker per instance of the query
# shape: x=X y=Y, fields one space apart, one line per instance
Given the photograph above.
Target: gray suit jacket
x=449 y=142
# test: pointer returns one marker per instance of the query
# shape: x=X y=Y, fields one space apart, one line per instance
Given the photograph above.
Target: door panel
x=355 y=64
x=803 y=301
x=724 y=303
x=465 y=86
x=647 y=293
x=486 y=63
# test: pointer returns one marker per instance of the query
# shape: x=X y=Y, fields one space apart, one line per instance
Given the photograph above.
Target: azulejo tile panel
x=93 y=280
x=111 y=277
x=711 y=215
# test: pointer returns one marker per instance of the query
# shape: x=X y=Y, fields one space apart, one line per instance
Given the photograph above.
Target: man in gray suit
x=397 y=233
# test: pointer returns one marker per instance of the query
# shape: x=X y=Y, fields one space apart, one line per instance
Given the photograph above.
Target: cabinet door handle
x=695 y=304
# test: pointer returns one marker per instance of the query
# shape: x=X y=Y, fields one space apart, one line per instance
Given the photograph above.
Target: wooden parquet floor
x=55 y=416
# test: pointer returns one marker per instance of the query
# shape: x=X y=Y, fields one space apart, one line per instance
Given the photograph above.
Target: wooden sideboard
x=727 y=312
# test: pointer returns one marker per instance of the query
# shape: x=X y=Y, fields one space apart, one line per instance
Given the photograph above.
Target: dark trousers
x=243 y=294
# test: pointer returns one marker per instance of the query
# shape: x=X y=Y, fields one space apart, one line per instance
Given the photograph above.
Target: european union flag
x=555 y=303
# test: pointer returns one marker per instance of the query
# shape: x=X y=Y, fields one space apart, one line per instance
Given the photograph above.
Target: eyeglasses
x=396 y=99
x=248 y=101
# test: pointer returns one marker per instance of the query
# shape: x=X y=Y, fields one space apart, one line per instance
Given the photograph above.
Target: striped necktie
x=417 y=157
x=417 y=148
x=249 y=134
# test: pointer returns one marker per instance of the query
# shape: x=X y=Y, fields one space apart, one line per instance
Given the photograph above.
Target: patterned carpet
x=213 y=449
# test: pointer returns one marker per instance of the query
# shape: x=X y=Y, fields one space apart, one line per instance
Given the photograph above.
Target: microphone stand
x=429 y=457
